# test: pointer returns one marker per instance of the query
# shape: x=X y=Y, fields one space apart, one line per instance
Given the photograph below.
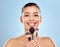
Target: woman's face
x=31 y=17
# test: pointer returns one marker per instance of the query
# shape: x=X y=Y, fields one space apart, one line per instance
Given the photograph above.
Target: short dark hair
x=30 y=4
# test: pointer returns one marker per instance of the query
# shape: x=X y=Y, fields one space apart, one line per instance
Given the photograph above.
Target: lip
x=31 y=23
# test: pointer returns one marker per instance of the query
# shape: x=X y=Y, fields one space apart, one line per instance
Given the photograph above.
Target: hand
x=33 y=43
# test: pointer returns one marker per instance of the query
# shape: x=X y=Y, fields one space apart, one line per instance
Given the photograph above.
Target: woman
x=31 y=18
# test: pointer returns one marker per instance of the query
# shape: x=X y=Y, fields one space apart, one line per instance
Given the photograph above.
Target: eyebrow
x=35 y=12
x=29 y=13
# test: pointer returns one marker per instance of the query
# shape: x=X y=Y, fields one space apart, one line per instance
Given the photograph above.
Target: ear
x=21 y=20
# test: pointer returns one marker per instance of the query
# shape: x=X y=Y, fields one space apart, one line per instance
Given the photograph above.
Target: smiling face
x=30 y=17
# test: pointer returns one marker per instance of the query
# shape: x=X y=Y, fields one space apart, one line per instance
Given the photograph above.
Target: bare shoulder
x=13 y=41
x=10 y=42
x=48 y=41
x=46 y=38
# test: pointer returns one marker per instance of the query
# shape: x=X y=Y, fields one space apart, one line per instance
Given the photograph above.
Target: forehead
x=31 y=9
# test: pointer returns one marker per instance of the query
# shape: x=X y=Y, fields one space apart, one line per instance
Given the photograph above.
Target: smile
x=31 y=24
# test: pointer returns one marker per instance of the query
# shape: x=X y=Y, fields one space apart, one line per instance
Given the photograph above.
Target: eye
x=26 y=15
x=35 y=15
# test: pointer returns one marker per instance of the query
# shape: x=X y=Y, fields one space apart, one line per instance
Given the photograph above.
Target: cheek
x=25 y=20
x=37 y=19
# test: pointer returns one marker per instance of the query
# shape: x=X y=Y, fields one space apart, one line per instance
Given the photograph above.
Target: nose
x=31 y=18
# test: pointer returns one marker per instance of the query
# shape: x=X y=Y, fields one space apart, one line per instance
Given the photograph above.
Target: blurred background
x=11 y=27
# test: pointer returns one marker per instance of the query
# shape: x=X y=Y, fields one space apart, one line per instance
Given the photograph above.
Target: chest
x=21 y=43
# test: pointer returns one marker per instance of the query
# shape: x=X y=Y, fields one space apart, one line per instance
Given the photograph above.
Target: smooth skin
x=31 y=16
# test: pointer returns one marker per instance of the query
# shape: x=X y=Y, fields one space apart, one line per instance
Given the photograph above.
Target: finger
x=33 y=43
x=28 y=45
x=36 y=43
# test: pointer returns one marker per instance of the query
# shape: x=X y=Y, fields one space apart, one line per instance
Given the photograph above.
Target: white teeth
x=31 y=24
